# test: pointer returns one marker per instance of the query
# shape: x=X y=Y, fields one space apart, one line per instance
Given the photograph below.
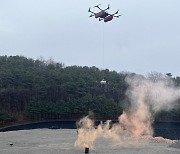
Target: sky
x=146 y=38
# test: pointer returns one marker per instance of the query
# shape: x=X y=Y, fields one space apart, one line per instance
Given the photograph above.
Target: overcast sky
x=144 y=39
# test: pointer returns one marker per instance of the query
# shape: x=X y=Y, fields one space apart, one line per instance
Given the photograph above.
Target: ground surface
x=61 y=141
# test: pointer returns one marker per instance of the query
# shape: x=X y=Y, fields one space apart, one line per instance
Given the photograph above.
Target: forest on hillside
x=36 y=90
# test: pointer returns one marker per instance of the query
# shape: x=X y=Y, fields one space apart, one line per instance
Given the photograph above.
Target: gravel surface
x=61 y=141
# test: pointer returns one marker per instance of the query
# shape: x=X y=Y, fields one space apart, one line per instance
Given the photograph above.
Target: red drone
x=103 y=14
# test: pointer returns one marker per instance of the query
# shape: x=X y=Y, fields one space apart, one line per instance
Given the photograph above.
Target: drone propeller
x=91 y=15
x=108 y=7
x=90 y=11
x=118 y=16
x=116 y=12
x=97 y=5
x=100 y=19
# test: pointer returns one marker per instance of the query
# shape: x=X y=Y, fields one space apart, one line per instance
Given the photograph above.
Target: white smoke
x=146 y=96
x=159 y=94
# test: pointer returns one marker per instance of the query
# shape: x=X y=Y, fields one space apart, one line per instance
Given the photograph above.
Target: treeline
x=44 y=90
x=39 y=89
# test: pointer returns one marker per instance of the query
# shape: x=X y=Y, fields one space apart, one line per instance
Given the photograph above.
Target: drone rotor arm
x=98 y=7
x=91 y=11
x=115 y=13
x=107 y=7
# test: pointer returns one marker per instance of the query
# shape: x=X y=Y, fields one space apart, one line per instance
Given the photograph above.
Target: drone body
x=103 y=14
x=108 y=18
x=99 y=14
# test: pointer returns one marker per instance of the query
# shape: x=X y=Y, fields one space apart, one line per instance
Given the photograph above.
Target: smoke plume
x=146 y=96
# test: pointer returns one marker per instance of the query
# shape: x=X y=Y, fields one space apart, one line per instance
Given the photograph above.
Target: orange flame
x=86 y=146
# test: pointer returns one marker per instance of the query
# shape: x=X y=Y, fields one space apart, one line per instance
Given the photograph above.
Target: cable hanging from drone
x=103 y=14
x=106 y=17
